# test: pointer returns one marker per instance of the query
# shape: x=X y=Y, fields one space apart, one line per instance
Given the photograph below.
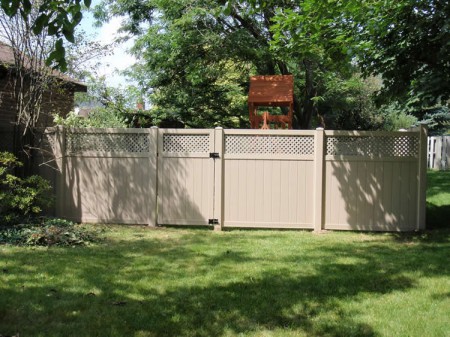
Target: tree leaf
x=39 y=24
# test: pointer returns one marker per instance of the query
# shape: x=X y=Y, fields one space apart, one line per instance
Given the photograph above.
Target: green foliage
x=20 y=198
x=396 y=117
x=195 y=57
x=407 y=43
x=112 y=107
x=49 y=232
x=438 y=120
x=347 y=103
x=58 y=17
x=98 y=118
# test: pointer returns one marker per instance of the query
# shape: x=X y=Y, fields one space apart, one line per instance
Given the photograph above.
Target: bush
x=48 y=232
x=21 y=199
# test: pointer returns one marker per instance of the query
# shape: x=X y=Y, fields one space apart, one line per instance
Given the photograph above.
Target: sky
x=120 y=59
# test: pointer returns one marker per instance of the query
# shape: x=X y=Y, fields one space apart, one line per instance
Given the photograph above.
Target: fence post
x=153 y=178
x=318 y=179
x=218 y=178
x=60 y=158
x=422 y=177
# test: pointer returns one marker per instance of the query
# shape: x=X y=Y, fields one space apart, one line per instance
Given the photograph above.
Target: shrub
x=20 y=198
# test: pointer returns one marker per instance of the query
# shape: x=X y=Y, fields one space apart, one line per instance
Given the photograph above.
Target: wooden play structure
x=270 y=91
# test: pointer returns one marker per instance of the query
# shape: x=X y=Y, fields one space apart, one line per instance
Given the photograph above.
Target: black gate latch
x=214 y=155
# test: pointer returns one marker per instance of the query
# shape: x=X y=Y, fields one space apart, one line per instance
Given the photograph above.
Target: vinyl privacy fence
x=240 y=178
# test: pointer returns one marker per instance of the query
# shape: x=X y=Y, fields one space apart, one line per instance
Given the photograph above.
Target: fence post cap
x=218 y=128
x=154 y=127
x=320 y=129
x=402 y=130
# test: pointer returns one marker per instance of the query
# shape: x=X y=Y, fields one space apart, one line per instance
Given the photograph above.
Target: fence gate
x=186 y=177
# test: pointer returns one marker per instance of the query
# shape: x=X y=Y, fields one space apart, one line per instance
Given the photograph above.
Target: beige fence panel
x=186 y=177
x=268 y=178
x=371 y=180
x=110 y=175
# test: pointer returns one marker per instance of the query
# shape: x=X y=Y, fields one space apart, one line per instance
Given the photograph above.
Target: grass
x=438 y=199
x=195 y=282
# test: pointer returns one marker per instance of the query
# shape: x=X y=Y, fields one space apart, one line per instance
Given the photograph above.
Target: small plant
x=20 y=198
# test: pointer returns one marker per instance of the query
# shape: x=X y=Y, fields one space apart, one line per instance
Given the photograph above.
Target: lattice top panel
x=108 y=142
x=174 y=143
x=266 y=144
x=395 y=146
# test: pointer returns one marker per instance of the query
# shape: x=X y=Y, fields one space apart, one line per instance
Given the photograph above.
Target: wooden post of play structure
x=273 y=90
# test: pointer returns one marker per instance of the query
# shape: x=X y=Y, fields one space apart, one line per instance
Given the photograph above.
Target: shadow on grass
x=192 y=287
x=438 y=217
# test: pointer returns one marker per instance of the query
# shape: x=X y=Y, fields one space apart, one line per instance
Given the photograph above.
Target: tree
x=192 y=71
x=57 y=17
x=109 y=106
x=406 y=42
x=30 y=76
x=196 y=56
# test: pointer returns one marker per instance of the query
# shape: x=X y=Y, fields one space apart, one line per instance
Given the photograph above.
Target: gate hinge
x=213 y=221
x=214 y=155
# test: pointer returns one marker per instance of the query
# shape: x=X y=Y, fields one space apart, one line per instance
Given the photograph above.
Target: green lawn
x=194 y=282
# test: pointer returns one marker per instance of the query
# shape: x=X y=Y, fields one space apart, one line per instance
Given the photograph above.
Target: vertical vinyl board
x=387 y=198
x=227 y=189
x=378 y=197
x=329 y=170
x=404 y=195
x=329 y=193
x=395 y=190
x=234 y=189
x=134 y=193
x=242 y=190
x=191 y=210
x=309 y=192
x=414 y=173
x=251 y=190
x=284 y=191
x=301 y=188
x=370 y=193
x=332 y=194
x=118 y=189
x=361 y=207
x=293 y=200
x=353 y=199
x=340 y=193
x=206 y=178
x=274 y=197
x=87 y=180
x=258 y=212
x=267 y=205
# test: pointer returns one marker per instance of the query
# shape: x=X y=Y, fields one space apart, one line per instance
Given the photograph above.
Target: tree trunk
x=310 y=92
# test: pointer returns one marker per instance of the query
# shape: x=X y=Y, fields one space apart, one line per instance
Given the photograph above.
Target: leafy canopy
x=58 y=17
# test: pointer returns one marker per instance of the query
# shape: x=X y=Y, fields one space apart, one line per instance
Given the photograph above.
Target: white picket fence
x=314 y=179
x=439 y=152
